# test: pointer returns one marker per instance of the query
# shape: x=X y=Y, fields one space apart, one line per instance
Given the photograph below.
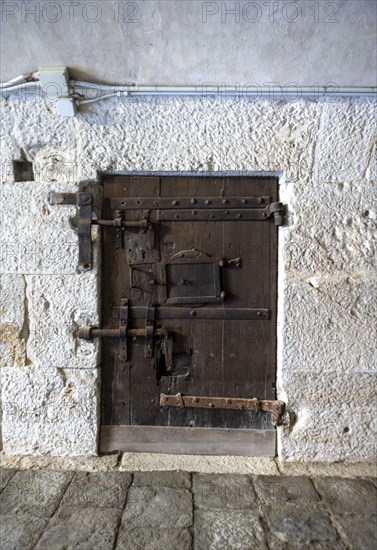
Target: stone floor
x=50 y=509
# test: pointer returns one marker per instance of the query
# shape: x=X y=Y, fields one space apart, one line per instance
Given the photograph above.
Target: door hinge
x=275 y=407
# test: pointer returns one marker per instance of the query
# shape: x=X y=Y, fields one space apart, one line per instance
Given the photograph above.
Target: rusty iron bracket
x=277 y=210
x=275 y=407
x=84 y=201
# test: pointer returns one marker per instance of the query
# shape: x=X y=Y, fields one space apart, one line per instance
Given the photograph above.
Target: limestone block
x=334 y=228
x=9 y=147
x=50 y=411
x=197 y=135
x=261 y=465
x=331 y=388
x=13 y=329
x=47 y=138
x=58 y=305
x=35 y=236
x=327 y=324
x=371 y=172
x=345 y=138
x=325 y=433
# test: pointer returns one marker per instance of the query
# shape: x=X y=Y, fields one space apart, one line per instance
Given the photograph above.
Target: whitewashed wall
x=325 y=153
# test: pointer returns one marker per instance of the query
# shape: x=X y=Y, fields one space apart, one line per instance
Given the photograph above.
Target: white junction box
x=54 y=83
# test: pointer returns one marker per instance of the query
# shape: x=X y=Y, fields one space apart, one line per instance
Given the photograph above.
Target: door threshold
x=196 y=441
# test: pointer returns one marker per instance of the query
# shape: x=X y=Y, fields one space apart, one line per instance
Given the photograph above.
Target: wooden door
x=190 y=273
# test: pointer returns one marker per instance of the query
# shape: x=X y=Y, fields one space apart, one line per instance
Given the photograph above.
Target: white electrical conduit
x=205 y=90
x=19 y=80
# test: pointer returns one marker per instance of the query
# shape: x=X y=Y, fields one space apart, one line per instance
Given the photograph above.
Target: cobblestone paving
x=55 y=510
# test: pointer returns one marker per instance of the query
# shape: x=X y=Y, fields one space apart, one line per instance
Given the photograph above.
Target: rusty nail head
x=195 y=400
x=192 y=313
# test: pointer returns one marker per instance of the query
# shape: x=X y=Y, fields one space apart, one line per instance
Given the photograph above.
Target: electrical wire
x=99 y=98
x=101 y=87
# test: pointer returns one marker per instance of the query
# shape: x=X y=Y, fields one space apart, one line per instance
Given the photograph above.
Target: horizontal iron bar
x=220 y=313
x=120 y=203
x=213 y=215
x=88 y=333
x=276 y=408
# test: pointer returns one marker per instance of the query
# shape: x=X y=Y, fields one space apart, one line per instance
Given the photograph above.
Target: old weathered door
x=189 y=281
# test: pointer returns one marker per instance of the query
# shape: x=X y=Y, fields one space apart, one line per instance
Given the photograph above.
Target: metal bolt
x=207 y=202
x=176 y=217
x=195 y=400
x=225 y=201
x=212 y=216
x=193 y=212
x=227 y=212
x=244 y=201
x=264 y=215
x=260 y=200
x=192 y=313
x=174 y=203
x=193 y=201
x=211 y=405
x=259 y=313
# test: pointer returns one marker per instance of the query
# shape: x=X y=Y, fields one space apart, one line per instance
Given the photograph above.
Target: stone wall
x=325 y=156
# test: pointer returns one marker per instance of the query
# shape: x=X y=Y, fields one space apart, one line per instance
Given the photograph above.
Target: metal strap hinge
x=275 y=407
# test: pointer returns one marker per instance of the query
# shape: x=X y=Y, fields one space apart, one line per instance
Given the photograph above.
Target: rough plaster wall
x=327 y=270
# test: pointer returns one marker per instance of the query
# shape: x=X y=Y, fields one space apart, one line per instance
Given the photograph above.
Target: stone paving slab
x=286 y=489
x=226 y=529
x=20 y=532
x=348 y=495
x=5 y=476
x=35 y=493
x=295 y=524
x=359 y=531
x=81 y=529
x=221 y=491
x=175 y=480
x=52 y=510
x=158 y=507
x=97 y=490
x=152 y=538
